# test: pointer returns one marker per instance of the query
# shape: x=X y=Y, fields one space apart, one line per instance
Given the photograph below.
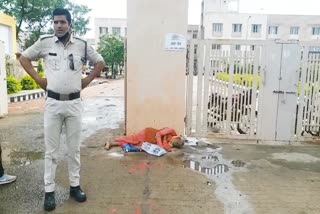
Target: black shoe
x=78 y=194
x=49 y=201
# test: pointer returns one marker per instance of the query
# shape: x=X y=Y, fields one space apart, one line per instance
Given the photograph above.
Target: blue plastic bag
x=130 y=148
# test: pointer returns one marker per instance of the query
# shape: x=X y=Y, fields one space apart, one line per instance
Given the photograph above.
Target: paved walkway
x=22 y=104
x=203 y=177
x=26 y=95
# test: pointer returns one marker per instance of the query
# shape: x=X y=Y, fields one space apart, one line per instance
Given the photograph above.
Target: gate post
x=3 y=82
x=278 y=100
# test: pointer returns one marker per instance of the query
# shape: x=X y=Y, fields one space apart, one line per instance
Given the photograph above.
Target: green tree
x=79 y=20
x=111 y=49
x=34 y=16
x=27 y=83
x=40 y=68
x=13 y=85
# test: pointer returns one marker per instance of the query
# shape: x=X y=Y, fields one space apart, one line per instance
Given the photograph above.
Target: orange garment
x=160 y=137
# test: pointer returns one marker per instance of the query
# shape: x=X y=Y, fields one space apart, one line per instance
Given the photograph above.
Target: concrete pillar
x=155 y=82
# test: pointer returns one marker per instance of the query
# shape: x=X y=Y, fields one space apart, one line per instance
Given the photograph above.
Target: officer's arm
x=98 y=67
x=99 y=64
x=26 y=64
x=32 y=53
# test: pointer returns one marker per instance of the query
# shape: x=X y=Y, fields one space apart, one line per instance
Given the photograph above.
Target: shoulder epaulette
x=85 y=49
x=46 y=37
x=80 y=39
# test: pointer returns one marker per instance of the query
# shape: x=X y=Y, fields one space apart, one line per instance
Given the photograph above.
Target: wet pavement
x=21 y=137
x=203 y=177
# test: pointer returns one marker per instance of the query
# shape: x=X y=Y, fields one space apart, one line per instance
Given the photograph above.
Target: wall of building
x=8 y=33
x=218 y=6
x=109 y=23
x=228 y=19
x=215 y=11
x=284 y=22
x=155 y=82
x=3 y=83
x=193 y=32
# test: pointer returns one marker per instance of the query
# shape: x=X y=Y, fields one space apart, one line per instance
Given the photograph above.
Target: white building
x=220 y=19
x=119 y=27
x=109 y=26
x=193 y=32
x=294 y=27
x=8 y=34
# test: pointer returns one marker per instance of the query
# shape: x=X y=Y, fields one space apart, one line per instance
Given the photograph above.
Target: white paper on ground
x=153 y=149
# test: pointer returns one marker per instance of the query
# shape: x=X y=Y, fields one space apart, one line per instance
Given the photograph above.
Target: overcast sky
x=118 y=8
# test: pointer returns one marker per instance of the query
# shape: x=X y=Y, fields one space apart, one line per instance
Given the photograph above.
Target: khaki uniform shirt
x=63 y=64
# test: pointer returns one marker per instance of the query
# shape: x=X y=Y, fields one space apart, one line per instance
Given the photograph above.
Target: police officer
x=64 y=56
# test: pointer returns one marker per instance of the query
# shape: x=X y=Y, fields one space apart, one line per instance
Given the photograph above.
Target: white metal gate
x=308 y=103
x=267 y=91
x=223 y=88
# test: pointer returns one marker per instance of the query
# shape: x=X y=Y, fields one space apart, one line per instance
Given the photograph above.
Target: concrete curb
x=37 y=93
x=26 y=95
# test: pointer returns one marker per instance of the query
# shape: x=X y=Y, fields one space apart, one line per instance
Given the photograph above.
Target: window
x=314 y=49
x=236 y=28
x=194 y=35
x=116 y=31
x=217 y=27
x=316 y=31
x=256 y=28
x=238 y=47
x=252 y=47
x=294 y=30
x=103 y=30
x=273 y=30
x=216 y=46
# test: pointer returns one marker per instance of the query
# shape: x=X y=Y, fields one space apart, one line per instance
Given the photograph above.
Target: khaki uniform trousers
x=56 y=114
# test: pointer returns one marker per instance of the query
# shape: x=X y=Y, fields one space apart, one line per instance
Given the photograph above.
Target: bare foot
x=107 y=146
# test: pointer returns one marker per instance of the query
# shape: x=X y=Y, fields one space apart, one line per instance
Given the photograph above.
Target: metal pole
x=245 y=53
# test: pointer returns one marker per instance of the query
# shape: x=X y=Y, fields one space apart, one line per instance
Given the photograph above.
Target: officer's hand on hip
x=42 y=83
x=85 y=82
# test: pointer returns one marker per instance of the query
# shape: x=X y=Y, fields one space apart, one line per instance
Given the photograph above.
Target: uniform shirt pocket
x=53 y=61
x=77 y=62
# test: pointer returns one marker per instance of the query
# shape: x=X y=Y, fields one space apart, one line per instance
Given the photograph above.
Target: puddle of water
x=216 y=170
x=116 y=154
x=22 y=158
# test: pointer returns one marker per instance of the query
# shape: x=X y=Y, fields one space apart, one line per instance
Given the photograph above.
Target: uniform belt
x=63 y=97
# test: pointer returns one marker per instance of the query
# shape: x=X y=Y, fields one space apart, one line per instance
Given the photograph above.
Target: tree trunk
x=112 y=72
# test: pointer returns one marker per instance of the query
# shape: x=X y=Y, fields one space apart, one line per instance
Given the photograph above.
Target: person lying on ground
x=167 y=138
